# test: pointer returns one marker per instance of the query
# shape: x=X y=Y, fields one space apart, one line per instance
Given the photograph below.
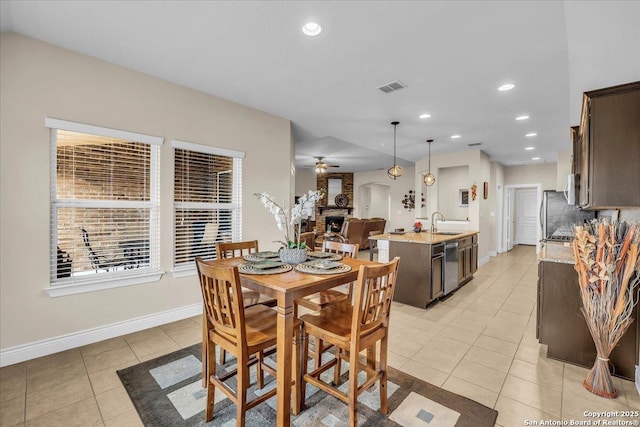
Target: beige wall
x=563 y=169
x=543 y=173
x=451 y=181
x=305 y=181
x=38 y=80
x=496 y=189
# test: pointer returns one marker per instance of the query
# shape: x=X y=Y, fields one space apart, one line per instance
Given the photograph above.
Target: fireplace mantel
x=323 y=208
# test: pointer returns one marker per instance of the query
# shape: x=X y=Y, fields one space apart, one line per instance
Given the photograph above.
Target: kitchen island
x=560 y=323
x=432 y=265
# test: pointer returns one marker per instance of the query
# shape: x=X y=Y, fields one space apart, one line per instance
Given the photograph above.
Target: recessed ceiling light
x=455 y=136
x=506 y=87
x=522 y=117
x=535 y=158
x=530 y=134
x=424 y=116
x=311 y=29
x=529 y=148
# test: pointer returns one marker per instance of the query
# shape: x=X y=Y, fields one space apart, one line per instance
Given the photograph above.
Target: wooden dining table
x=286 y=288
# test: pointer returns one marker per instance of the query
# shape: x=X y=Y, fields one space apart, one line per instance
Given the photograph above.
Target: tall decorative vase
x=293 y=256
x=607 y=262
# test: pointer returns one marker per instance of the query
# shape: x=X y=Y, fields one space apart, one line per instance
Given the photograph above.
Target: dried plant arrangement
x=608 y=266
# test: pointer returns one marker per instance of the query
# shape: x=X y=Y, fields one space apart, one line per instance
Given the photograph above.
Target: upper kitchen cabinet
x=608 y=148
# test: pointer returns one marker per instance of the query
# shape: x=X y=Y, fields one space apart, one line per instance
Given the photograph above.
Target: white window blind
x=207 y=201
x=104 y=204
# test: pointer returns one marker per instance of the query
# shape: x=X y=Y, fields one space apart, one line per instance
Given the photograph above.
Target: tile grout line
x=93 y=390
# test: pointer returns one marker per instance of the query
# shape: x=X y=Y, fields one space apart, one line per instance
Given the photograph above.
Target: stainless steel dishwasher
x=450 y=267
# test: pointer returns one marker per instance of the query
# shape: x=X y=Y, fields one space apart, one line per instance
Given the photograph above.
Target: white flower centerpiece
x=293 y=250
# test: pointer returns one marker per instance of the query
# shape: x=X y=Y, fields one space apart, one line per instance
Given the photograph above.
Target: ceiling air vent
x=475 y=144
x=392 y=87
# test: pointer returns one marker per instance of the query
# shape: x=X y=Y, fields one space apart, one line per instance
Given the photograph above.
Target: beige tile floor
x=479 y=343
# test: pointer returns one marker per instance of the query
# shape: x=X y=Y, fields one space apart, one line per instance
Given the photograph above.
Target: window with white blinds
x=207 y=201
x=104 y=205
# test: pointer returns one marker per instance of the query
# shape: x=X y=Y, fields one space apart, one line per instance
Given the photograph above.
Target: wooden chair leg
x=211 y=389
x=338 y=368
x=205 y=339
x=317 y=352
x=260 y=372
x=223 y=356
x=353 y=388
x=295 y=372
x=371 y=359
x=241 y=392
x=384 y=407
x=303 y=365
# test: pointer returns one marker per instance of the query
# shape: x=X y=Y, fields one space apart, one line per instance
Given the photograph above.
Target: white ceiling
x=451 y=55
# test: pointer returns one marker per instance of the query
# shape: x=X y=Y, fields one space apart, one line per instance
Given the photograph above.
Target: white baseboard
x=20 y=353
x=493 y=253
x=482 y=261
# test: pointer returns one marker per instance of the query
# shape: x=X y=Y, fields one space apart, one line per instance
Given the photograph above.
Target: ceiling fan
x=321 y=166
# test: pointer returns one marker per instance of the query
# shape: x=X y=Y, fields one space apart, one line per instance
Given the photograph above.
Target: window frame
x=106 y=280
x=189 y=268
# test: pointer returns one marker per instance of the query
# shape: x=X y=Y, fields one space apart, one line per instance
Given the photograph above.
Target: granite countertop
x=424 y=237
x=557 y=252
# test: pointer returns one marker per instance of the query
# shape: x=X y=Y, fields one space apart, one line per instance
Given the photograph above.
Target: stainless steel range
x=558 y=217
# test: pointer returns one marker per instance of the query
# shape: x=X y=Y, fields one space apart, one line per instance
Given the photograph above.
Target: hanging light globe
x=429 y=179
x=394 y=172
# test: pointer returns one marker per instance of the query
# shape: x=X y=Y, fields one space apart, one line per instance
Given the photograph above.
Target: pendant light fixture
x=429 y=179
x=394 y=171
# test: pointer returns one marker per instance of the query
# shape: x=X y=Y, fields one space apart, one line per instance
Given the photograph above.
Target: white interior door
x=510 y=229
x=526 y=217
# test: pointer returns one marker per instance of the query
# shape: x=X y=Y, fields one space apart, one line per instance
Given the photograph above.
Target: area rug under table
x=167 y=391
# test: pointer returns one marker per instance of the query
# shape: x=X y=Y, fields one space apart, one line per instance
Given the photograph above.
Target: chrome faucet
x=434 y=229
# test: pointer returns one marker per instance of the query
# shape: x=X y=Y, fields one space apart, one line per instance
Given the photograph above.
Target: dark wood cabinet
x=562 y=327
x=474 y=254
x=413 y=285
x=607 y=148
x=466 y=264
x=437 y=275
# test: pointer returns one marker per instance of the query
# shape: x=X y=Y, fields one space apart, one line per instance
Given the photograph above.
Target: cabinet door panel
x=615 y=139
x=437 y=277
x=461 y=275
x=609 y=146
x=474 y=258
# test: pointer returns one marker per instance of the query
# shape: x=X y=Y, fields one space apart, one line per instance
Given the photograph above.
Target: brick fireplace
x=333 y=224
x=326 y=208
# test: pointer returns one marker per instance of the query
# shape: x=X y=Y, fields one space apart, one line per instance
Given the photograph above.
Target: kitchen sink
x=449 y=233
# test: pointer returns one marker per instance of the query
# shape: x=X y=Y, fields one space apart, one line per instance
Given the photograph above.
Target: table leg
x=284 y=343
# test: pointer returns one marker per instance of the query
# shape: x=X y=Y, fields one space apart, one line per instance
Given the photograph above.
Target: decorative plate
x=256 y=257
x=251 y=269
x=324 y=255
x=267 y=254
x=342 y=200
x=311 y=269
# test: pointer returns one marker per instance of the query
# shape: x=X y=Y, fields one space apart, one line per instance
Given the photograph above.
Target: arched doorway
x=374 y=201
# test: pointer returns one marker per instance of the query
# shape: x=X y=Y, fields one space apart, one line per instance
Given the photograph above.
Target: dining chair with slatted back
x=317 y=301
x=352 y=330
x=243 y=332
x=235 y=249
x=250 y=297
